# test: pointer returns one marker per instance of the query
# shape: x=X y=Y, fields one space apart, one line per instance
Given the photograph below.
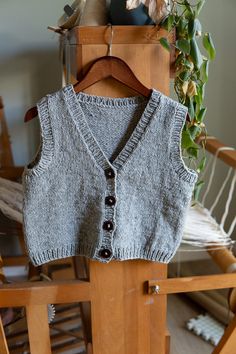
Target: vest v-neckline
x=73 y=101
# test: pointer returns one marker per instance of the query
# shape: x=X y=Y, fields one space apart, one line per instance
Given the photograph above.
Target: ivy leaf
x=201 y=114
x=209 y=45
x=195 y=131
x=188 y=8
x=183 y=45
x=191 y=110
x=197 y=189
x=198 y=27
x=187 y=141
x=201 y=164
x=181 y=26
x=164 y=23
x=195 y=53
x=201 y=91
x=205 y=71
x=168 y=22
x=184 y=75
x=200 y=6
x=200 y=94
x=165 y=43
x=194 y=26
x=188 y=64
x=179 y=59
x=193 y=152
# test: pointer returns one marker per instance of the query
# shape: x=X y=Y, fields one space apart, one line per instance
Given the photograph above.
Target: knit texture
x=94 y=147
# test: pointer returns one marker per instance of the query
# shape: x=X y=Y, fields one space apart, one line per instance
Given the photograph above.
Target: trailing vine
x=191 y=72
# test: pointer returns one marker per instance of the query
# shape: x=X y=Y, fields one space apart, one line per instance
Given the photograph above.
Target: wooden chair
x=17 y=331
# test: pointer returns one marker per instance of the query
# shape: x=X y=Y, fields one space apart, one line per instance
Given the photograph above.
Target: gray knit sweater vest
x=108 y=181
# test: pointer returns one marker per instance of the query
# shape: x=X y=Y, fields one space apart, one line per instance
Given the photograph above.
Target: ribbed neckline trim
x=73 y=101
x=110 y=102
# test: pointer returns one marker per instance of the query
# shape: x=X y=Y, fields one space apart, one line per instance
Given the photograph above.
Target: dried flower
x=157 y=9
x=192 y=89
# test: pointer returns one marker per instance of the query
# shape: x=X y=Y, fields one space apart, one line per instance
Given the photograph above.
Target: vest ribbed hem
x=121 y=254
x=73 y=101
x=178 y=164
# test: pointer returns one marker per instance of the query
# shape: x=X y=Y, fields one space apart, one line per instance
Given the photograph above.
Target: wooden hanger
x=110 y=66
x=103 y=68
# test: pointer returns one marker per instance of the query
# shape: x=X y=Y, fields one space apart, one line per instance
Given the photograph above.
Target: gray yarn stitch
x=65 y=185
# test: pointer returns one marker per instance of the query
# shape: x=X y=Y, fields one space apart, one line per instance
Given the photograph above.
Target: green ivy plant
x=191 y=72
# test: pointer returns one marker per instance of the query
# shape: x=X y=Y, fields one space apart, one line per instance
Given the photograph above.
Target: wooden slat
x=196 y=283
x=6 y=157
x=167 y=349
x=228 y=156
x=227 y=344
x=2 y=275
x=64 y=347
x=56 y=339
x=89 y=348
x=40 y=293
x=69 y=321
x=59 y=334
x=38 y=329
x=3 y=342
x=11 y=173
x=85 y=35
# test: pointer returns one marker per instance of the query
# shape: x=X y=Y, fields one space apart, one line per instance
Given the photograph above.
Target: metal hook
x=110 y=42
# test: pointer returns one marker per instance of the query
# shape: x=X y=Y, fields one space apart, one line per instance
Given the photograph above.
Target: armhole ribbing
x=44 y=153
x=178 y=163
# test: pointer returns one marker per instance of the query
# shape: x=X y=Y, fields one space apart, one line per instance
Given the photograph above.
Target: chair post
x=3 y=341
x=125 y=318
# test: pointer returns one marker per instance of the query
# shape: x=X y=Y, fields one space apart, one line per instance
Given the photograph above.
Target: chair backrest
x=228 y=156
x=35 y=297
x=6 y=157
x=206 y=224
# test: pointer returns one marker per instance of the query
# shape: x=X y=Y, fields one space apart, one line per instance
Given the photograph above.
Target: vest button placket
x=109 y=173
x=108 y=224
x=110 y=200
x=105 y=253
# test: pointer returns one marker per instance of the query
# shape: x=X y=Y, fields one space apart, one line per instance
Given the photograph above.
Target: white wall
x=29 y=65
x=218 y=17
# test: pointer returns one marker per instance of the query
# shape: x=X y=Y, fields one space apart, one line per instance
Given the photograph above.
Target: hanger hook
x=110 y=42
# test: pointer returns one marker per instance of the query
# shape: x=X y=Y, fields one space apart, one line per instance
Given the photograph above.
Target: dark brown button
x=107 y=225
x=109 y=173
x=110 y=200
x=105 y=253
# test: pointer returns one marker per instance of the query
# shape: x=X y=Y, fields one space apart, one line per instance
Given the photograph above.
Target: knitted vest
x=108 y=181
